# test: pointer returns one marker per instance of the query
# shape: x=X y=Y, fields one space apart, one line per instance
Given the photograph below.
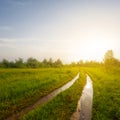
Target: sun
x=91 y=48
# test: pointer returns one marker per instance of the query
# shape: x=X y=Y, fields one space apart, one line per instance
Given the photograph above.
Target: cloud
x=19 y=42
x=9 y=43
x=1 y=41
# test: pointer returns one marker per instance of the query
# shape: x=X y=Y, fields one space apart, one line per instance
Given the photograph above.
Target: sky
x=67 y=29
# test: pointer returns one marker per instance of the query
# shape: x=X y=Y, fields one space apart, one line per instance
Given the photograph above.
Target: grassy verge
x=106 y=101
x=62 y=106
x=20 y=88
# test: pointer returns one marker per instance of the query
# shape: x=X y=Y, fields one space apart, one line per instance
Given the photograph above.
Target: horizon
x=71 y=31
x=54 y=60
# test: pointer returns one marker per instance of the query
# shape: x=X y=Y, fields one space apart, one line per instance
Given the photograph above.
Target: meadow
x=62 y=106
x=106 y=99
x=20 y=88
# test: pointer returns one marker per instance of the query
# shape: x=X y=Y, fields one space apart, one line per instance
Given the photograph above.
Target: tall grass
x=20 y=88
x=106 y=102
x=62 y=106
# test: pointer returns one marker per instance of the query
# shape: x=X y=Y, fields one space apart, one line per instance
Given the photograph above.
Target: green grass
x=61 y=107
x=106 y=101
x=20 y=88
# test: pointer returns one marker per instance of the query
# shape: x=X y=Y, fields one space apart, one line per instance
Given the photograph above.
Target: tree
x=32 y=63
x=108 y=55
x=50 y=62
x=80 y=63
x=44 y=63
x=109 y=59
x=19 y=63
x=58 y=63
x=5 y=63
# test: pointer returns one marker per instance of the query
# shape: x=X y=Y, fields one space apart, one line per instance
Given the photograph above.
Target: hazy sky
x=66 y=29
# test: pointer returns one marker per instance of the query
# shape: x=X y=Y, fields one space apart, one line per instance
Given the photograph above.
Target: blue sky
x=66 y=29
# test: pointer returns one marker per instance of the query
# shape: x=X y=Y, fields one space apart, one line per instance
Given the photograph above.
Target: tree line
x=108 y=61
x=30 y=63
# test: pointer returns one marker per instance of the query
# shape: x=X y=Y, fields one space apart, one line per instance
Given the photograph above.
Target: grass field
x=61 y=107
x=20 y=88
x=106 y=102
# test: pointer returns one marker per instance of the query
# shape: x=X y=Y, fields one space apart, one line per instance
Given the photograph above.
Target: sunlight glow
x=92 y=47
x=54 y=30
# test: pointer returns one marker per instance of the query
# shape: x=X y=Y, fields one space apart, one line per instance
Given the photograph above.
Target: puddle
x=84 y=107
x=44 y=99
